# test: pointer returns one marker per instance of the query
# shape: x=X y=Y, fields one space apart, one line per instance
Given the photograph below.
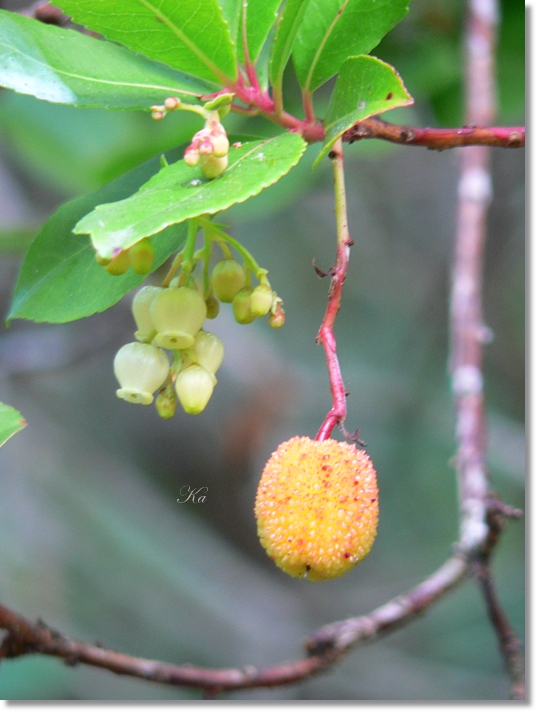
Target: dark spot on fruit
x=373 y=499
x=346 y=555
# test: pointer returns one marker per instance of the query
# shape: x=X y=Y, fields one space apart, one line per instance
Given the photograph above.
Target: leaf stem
x=338 y=412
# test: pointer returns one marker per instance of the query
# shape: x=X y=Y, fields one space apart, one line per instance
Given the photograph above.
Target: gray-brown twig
x=467 y=328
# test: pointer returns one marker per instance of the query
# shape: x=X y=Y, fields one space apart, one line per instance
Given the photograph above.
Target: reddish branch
x=437 y=139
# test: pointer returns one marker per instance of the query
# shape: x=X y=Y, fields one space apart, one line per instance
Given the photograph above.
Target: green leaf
x=11 y=421
x=231 y=10
x=333 y=30
x=286 y=32
x=189 y=35
x=67 y=67
x=365 y=87
x=61 y=281
x=179 y=192
x=258 y=16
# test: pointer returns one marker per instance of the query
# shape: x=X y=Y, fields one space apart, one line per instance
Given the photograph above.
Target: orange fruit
x=317 y=507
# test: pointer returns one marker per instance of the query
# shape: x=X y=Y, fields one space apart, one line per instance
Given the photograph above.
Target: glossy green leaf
x=333 y=30
x=365 y=86
x=67 y=67
x=61 y=281
x=179 y=192
x=258 y=16
x=286 y=31
x=11 y=421
x=231 y=10
x=189 y=35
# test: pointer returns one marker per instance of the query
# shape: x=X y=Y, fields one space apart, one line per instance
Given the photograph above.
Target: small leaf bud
x=242 y=310
x=141 y=305
x=208 y=351
x=178 y=314
x=262 y=298
x=140 y=370
x=142 y=256
x=227 y=279
x=213 y=307
x=120 y=264
x=194 y=387
x=158 y=115
x=212 y=167
x=166 y=402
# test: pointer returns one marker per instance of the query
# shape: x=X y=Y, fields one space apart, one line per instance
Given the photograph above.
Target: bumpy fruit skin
x=317 y=507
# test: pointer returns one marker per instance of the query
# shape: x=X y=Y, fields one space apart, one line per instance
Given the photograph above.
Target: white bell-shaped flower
x=208 y=351
x=178 y=314
x=194 y=387
x=141 y=305
x=140 y=370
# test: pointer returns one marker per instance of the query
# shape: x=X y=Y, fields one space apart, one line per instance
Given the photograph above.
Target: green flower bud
x=213 y=307
x=178 y=314
x=208 y=351
x=261 y=301
x=242 y=309
x=119 y=265
x=142 y=256
x=194 y=387
x=213 y=166
x=103 y=261
x=140 y=370
x=166 y=402
x=227 y=279
x=141 y=305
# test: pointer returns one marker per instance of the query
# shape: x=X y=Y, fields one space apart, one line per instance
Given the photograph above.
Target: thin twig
x=437 y=139
x=508 y=641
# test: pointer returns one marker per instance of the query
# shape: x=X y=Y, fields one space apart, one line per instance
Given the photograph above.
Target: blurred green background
x=92 y=539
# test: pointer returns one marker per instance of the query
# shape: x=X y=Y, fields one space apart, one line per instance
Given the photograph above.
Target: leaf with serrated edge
x=286 y=32
x=333 y=30
x=189 y=35
x=179 y=192
x=259 y=17
x=60 y=279
x=11 y=421
x=67 y=67
x=365 y=86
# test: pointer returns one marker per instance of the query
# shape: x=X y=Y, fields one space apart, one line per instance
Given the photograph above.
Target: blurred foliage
x=91 y=537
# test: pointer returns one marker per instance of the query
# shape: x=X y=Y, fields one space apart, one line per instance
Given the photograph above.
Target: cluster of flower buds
x=172 y=318
x=139 y=257
x=228 y=282
x=169 y=318
x=209 y=148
